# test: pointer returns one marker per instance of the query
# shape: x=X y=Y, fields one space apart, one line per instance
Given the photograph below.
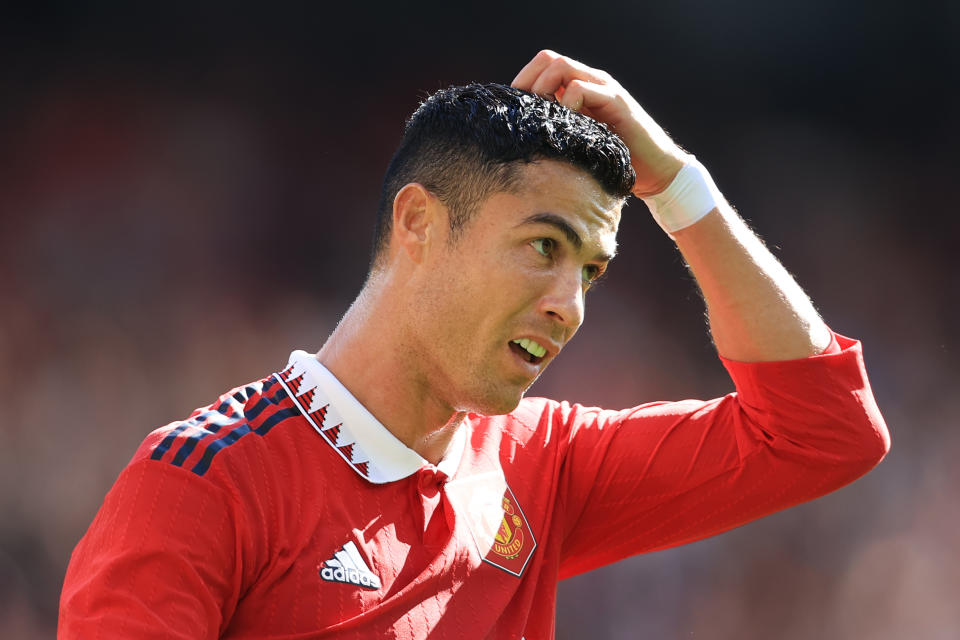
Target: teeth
x=531 y=347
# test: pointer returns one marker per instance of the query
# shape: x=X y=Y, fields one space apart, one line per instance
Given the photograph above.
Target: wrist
x=690 y=196
x=658 y=175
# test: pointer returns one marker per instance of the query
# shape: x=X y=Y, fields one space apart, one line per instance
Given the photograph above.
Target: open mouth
x=528 y=349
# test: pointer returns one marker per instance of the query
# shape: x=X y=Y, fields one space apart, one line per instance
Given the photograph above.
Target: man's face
x=518 y=271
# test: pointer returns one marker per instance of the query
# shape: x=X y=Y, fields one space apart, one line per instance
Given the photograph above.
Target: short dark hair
x=465 y=143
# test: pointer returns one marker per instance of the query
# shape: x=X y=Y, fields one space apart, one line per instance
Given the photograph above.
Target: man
x=397 y=484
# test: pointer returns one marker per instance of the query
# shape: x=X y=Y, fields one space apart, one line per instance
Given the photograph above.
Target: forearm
x=757 y=311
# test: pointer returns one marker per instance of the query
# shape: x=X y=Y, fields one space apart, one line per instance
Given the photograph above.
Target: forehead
x=559 y=189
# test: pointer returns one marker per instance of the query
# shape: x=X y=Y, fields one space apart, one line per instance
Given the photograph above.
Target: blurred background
x=187 y=194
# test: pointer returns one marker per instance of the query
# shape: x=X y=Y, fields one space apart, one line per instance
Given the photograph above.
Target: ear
x=417 y=215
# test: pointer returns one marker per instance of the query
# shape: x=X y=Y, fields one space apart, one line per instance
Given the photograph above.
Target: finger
x=561 y=72
x=571 y=96
x=534 y=68
x=581 y=95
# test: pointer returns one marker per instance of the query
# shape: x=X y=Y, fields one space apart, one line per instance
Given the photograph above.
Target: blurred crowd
x=170 y=229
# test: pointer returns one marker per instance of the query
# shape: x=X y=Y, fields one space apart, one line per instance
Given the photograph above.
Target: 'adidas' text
x=350 y=576
x=347 y=566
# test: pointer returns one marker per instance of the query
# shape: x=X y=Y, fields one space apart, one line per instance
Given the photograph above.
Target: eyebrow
x=563 y=226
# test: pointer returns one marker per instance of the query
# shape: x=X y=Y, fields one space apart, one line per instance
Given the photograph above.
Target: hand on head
x=655 y=157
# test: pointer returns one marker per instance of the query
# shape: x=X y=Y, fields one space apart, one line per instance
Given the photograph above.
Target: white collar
x=346 y=425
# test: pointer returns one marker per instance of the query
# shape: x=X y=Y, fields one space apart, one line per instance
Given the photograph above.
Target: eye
x=544 y=246
x=592 y=273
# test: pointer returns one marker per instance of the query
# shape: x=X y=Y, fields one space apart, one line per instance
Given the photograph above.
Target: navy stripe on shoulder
x=232 y=412
x=219 y=445
x=211 y=425
x=164 y=446
x=203 y=422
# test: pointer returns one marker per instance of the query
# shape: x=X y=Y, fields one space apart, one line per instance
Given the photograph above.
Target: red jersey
x=286 y=510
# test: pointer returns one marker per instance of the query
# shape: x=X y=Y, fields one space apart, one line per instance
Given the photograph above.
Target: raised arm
x=757 y=311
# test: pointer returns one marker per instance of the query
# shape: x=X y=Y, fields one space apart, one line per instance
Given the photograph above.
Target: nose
x=563 y=301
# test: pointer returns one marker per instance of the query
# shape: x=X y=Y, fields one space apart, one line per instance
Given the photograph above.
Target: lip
x=530 y=370
x=551 y=347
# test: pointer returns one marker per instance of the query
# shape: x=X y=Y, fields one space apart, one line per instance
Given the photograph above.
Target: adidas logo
x=347 y=566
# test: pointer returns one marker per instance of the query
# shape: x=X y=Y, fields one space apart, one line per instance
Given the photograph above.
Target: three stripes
x=251 y=409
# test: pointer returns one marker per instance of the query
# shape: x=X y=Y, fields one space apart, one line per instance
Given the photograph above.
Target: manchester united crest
x=509 y=539
x=495 y=519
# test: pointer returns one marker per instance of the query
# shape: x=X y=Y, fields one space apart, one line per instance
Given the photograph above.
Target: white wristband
x=690 y=196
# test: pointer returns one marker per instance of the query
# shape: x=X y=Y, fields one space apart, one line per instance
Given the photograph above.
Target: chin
x=490 y=404
x=504 y=408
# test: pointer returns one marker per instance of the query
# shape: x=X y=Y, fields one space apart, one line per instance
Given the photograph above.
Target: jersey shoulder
x=210 y=434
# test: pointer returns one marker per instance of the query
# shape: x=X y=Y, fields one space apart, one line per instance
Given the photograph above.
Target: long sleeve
x=669 y=473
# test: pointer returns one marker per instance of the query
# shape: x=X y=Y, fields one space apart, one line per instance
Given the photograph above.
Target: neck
x=368 y=353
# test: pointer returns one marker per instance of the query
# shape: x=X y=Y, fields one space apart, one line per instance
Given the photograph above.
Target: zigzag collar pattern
x=346 y=425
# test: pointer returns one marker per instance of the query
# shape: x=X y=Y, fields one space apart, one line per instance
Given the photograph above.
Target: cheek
x=481 y=293
x=480 y=304
x=482 y=276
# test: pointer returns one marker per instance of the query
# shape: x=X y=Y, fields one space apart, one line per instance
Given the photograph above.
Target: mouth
x=529 y=350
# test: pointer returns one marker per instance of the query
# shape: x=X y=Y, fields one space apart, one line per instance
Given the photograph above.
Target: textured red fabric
x=236 y=548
